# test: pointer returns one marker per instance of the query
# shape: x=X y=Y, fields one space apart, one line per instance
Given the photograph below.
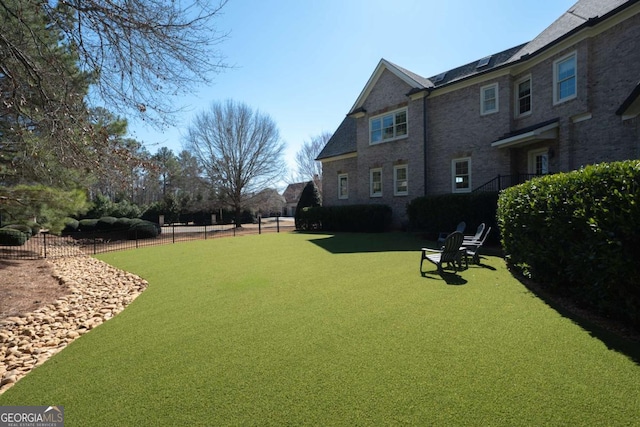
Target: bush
x=12 y=237
x=577 y=233
x=106 y=223
x=141 y=229
x=71 y=225
x=87 y=225
x=352 y=218
x=309 y=198
x=434 y=214
x=21 y=227
x=123 y=223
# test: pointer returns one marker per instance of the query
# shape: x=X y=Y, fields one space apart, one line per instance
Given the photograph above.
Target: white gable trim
x=383 y=65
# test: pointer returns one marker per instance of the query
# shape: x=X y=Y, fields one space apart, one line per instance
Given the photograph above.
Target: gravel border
x=98 y=291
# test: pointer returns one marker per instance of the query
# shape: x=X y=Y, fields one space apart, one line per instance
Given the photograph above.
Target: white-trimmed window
x=539 y=161
x=565 y=82
x=461 y=175
x=388 y=126
x=523 y=96
x=489 y=99
x=343 y=186
x=400 y=180
x=375 y=182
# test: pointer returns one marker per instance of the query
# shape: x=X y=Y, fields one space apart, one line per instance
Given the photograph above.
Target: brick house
x=292 y=196
x=568 y=98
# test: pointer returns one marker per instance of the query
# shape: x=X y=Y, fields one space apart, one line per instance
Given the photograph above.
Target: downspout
x=425 y=137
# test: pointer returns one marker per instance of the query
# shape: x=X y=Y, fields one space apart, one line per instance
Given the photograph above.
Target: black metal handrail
x=501 y=182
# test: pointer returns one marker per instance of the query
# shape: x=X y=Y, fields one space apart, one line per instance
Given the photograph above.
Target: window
x=400 y=180
x=539 y=161
x=564 y=78
x=343 y=186
x=387 y=127
x=523 y=96
x=461 y=173
x=489 y=99
x=375 y=177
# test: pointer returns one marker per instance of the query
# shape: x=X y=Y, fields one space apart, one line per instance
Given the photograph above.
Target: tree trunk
x=238 y=210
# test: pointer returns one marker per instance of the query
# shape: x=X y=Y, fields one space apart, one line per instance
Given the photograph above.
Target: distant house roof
x=292 y=192
x=342 y=142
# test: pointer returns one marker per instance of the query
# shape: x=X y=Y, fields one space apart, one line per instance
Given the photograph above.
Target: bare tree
x=59 y=59
x=139 y=53
x=239 y=150
x=309 y=169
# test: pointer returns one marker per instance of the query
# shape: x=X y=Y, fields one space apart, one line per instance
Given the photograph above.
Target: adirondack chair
x=476 y=236
x=451 y=253
x=472 y=247
x=443 y=235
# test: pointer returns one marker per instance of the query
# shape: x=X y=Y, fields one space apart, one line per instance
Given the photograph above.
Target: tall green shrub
x=578 y=233
x=309 y=198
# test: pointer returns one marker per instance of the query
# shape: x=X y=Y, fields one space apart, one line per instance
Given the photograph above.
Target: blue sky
x=305 y=62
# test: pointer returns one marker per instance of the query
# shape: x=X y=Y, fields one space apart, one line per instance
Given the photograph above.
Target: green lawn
x=303 y=329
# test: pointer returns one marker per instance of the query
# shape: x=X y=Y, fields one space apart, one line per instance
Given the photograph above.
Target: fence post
x=136 y=238
x=259 y=224
x=95 y=243
x=205 y=232
x=44 y=237
x=173 y=233
x=277 y=223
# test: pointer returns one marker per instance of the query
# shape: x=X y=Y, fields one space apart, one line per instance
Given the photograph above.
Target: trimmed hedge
x=142 y=230
x=577 y=233
x=87 y=225
x=129 y=228
x=12 y=237
x=353 y=218
x=434 y=214
x=71 y=225
x=106 y=223
x=21 y=227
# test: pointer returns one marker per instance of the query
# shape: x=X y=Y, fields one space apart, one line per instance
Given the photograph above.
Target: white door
x=539 y=162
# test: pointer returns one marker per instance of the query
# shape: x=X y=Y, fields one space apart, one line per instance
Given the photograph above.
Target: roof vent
x=439 y=77
x=484 y=62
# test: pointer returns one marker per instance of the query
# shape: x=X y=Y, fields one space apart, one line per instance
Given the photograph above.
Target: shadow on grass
x=449 y=278
x=615 y=335
x=348 y=243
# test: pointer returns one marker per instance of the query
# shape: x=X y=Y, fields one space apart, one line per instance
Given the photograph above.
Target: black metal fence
x=45 y=245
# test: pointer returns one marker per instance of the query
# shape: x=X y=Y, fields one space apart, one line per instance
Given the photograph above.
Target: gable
x=413 y=80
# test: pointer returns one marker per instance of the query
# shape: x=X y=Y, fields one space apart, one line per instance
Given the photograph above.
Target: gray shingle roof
x=577 y=15
x=342 y=142
x=293 y=191
x=471 y=69
x=584 y=12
